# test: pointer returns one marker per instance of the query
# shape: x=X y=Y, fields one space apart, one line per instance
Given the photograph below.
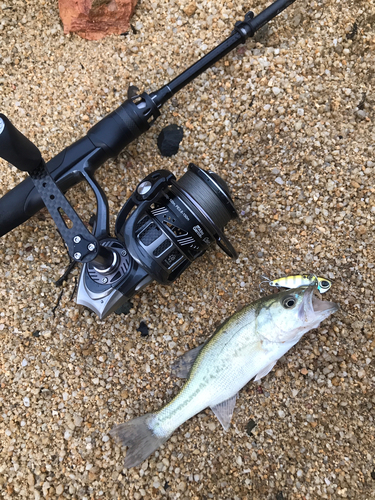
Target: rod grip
x=14 y=207
x=16 y=148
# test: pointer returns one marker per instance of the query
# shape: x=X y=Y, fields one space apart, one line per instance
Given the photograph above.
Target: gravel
x=295 y=105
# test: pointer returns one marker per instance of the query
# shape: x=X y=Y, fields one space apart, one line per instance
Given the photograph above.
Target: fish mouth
x=312 y=306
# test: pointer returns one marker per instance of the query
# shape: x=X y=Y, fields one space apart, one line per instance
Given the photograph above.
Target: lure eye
x=289 y=302
x=324 y=284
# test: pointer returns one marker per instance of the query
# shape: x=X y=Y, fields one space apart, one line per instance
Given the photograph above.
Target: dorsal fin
x=182 y=366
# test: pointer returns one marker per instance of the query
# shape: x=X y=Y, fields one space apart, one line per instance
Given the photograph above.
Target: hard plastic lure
x=297 y=280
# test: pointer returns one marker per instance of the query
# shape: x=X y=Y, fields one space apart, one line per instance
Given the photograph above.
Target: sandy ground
x=288 y=121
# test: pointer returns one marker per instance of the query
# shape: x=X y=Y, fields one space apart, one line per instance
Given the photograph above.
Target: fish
x=323 y=284
x=246 y=346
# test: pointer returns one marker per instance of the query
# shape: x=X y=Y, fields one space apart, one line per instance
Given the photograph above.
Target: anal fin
x=264 y=371
x=224 y=411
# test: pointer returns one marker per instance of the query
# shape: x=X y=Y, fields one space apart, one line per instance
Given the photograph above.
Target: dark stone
x=36 y=333
x=250 y=426
x=279 y=495
x=169 y=139
x=125 y=308
x=354 y=31
x=132 y=91
x=143 y=328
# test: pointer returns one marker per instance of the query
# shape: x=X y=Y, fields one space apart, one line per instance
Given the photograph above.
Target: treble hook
x=267 y=280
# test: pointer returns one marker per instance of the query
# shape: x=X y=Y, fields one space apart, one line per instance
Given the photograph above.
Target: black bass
x=246 y=346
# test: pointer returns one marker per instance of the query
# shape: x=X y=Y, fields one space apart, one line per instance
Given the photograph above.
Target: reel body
x=163 y=227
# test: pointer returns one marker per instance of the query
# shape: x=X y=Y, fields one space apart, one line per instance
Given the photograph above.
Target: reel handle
x=17 y=149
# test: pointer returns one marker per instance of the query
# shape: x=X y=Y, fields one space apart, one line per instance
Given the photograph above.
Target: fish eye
x=289 y=302
x=324 y=284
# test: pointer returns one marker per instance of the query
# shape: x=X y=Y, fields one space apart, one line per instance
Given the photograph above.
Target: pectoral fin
x=182 y=366
x=224 y=411
x=265 y=370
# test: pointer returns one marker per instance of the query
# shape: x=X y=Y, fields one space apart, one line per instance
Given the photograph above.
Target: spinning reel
x=162 y=228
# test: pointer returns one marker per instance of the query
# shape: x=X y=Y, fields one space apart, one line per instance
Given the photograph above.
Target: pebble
x=190 y=9
x=182 y=486
x=297 y=20
x=361 y=373
x=169 y=139
x=59 y=489
x=77 y=419
x=67 y=434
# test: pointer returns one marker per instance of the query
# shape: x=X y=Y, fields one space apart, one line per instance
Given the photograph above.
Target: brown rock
x=361 y=230
x=190 y=9
x=95 y=19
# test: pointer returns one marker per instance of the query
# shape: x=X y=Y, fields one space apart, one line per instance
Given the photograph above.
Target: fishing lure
x=297 y=280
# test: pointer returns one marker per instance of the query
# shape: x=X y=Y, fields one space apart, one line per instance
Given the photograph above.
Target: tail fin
x=139 y=439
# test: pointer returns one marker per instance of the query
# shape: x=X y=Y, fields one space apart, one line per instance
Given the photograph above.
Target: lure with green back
x=297 y=280
x=247 y=345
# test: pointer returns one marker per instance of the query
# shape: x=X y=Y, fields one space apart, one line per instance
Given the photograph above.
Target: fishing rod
x=165 y=224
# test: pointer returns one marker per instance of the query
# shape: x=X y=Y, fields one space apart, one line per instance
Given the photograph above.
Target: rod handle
x=16 y=148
